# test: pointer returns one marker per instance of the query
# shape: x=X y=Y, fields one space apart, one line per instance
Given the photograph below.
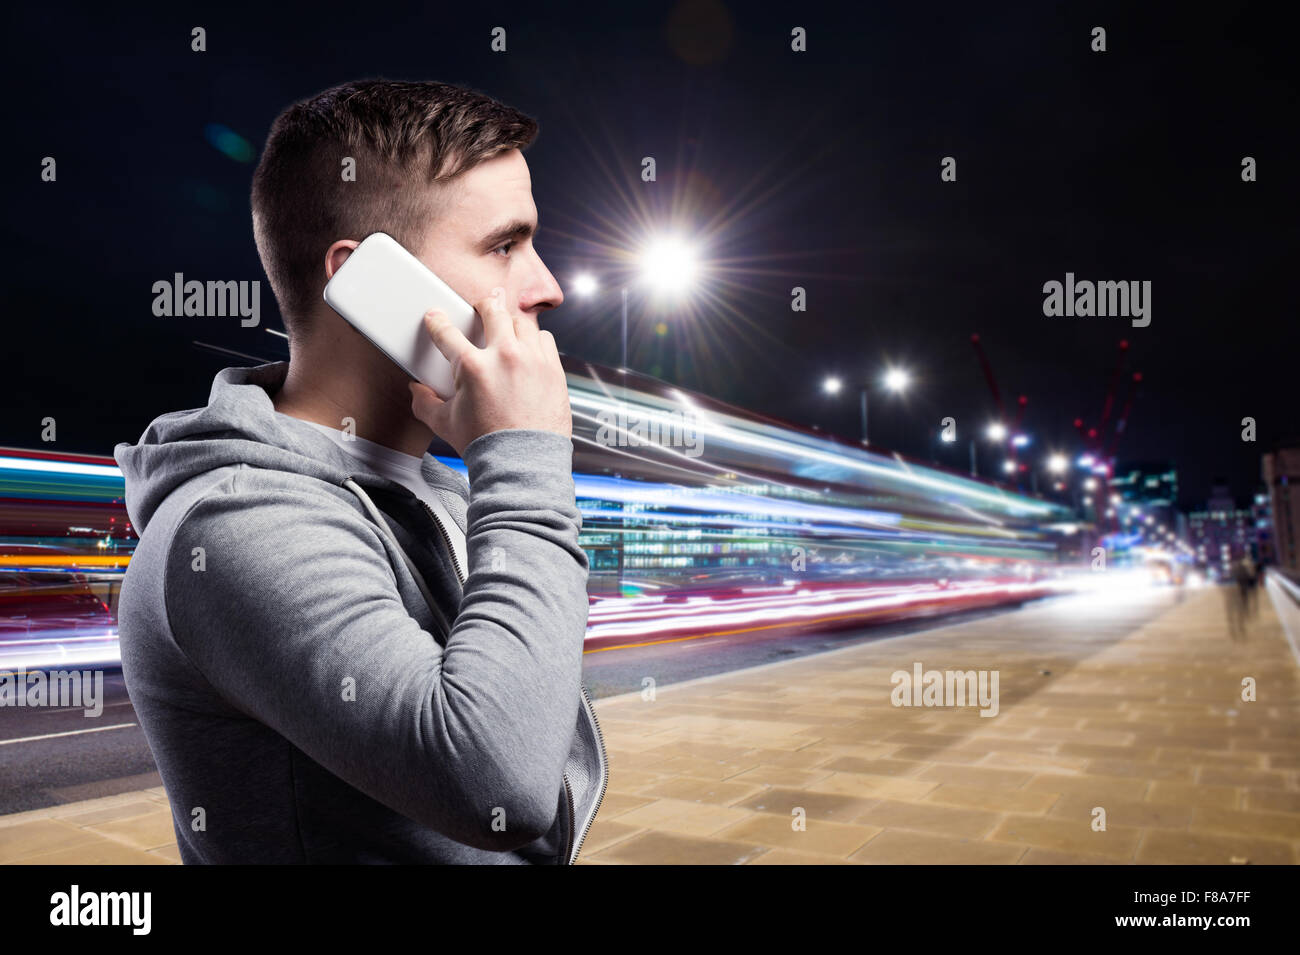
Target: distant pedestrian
x=1236 y=595
x=1247 y=579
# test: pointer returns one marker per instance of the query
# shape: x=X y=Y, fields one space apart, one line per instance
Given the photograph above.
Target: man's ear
x=337 y=254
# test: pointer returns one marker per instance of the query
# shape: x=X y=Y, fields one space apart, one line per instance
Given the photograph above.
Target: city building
x=1147 y=488
x=1222 y=534
x=1281 y=472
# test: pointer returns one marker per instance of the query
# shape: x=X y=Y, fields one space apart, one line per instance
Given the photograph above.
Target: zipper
x=446 y=540
x=604 y=780
x=574 y=846
x=568 y=854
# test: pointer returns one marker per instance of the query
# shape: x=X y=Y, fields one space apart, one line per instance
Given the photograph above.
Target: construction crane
x=1093 y=438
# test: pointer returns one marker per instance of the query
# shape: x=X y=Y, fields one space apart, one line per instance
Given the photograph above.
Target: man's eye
x=506 y=245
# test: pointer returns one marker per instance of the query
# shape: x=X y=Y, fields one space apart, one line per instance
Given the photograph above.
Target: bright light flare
x=832 y=385
x=669 y=266
x=896 y=379
x=585 y=284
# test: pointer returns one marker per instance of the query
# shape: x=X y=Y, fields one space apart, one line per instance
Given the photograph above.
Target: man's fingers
x=496 y=320
x=450 y=340
x=548 y=346
x=526 y=327
x=425 y=403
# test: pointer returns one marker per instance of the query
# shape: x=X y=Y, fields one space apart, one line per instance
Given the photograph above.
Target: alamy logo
x=946 y=688
x=70 y=688
x=102 y=908
x=1085 y=299
x=667 y=429
x=213 y=300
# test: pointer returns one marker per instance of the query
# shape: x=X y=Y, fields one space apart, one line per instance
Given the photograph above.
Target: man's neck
x=373 y=394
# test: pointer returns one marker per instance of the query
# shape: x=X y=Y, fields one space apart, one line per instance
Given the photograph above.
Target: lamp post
x=895 y=380
x=668 y=267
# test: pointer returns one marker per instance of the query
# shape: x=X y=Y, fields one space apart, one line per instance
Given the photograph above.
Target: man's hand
x=514 y=381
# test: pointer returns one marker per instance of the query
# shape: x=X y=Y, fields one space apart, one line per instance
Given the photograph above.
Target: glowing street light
x=997 y=432
x=669 y=265
x=1057 y=463
x=1009 y=466
x=897 y=380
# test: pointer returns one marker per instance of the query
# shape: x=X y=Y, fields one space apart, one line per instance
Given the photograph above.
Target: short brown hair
x=401 y=136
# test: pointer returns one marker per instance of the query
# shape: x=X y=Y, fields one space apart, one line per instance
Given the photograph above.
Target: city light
x=1090 y=484
x=997 y=432
x=669 y=266
x=897 y=380
x=1020 y=441
x=1057 y=463
x=832 y=385
x=1009 y=466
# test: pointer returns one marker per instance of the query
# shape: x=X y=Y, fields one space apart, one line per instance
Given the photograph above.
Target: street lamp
x=585 y=284
x=668 y=266
x=895 y=379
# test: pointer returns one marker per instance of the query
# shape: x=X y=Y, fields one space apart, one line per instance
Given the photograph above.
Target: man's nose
x=543 y=290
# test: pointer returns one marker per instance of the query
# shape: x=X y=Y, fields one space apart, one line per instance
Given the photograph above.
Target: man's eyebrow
x=516 y=229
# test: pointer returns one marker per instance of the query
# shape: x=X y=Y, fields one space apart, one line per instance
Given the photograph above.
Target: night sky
x=817 y=169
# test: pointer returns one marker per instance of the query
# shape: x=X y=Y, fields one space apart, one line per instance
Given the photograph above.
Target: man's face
x=484 y=238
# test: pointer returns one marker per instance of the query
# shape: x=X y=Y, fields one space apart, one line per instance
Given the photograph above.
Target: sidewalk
x=1144 y=721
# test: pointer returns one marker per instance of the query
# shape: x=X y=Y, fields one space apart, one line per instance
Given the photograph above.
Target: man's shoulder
x=243 y=490
x=253 y=509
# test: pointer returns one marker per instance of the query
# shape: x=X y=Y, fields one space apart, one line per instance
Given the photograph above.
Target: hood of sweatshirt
x=240 y=425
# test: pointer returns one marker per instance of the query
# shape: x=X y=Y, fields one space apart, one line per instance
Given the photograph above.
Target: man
x=333 y=657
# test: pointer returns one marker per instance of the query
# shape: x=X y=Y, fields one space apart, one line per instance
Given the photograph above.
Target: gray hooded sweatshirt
x=319 y=681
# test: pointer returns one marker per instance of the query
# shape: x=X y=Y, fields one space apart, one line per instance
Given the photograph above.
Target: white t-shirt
x=405 y=470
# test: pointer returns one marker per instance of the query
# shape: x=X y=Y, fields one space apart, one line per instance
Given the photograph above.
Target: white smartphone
x=383 y=291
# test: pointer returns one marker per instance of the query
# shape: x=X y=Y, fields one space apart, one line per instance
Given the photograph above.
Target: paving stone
x=1139 y=720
